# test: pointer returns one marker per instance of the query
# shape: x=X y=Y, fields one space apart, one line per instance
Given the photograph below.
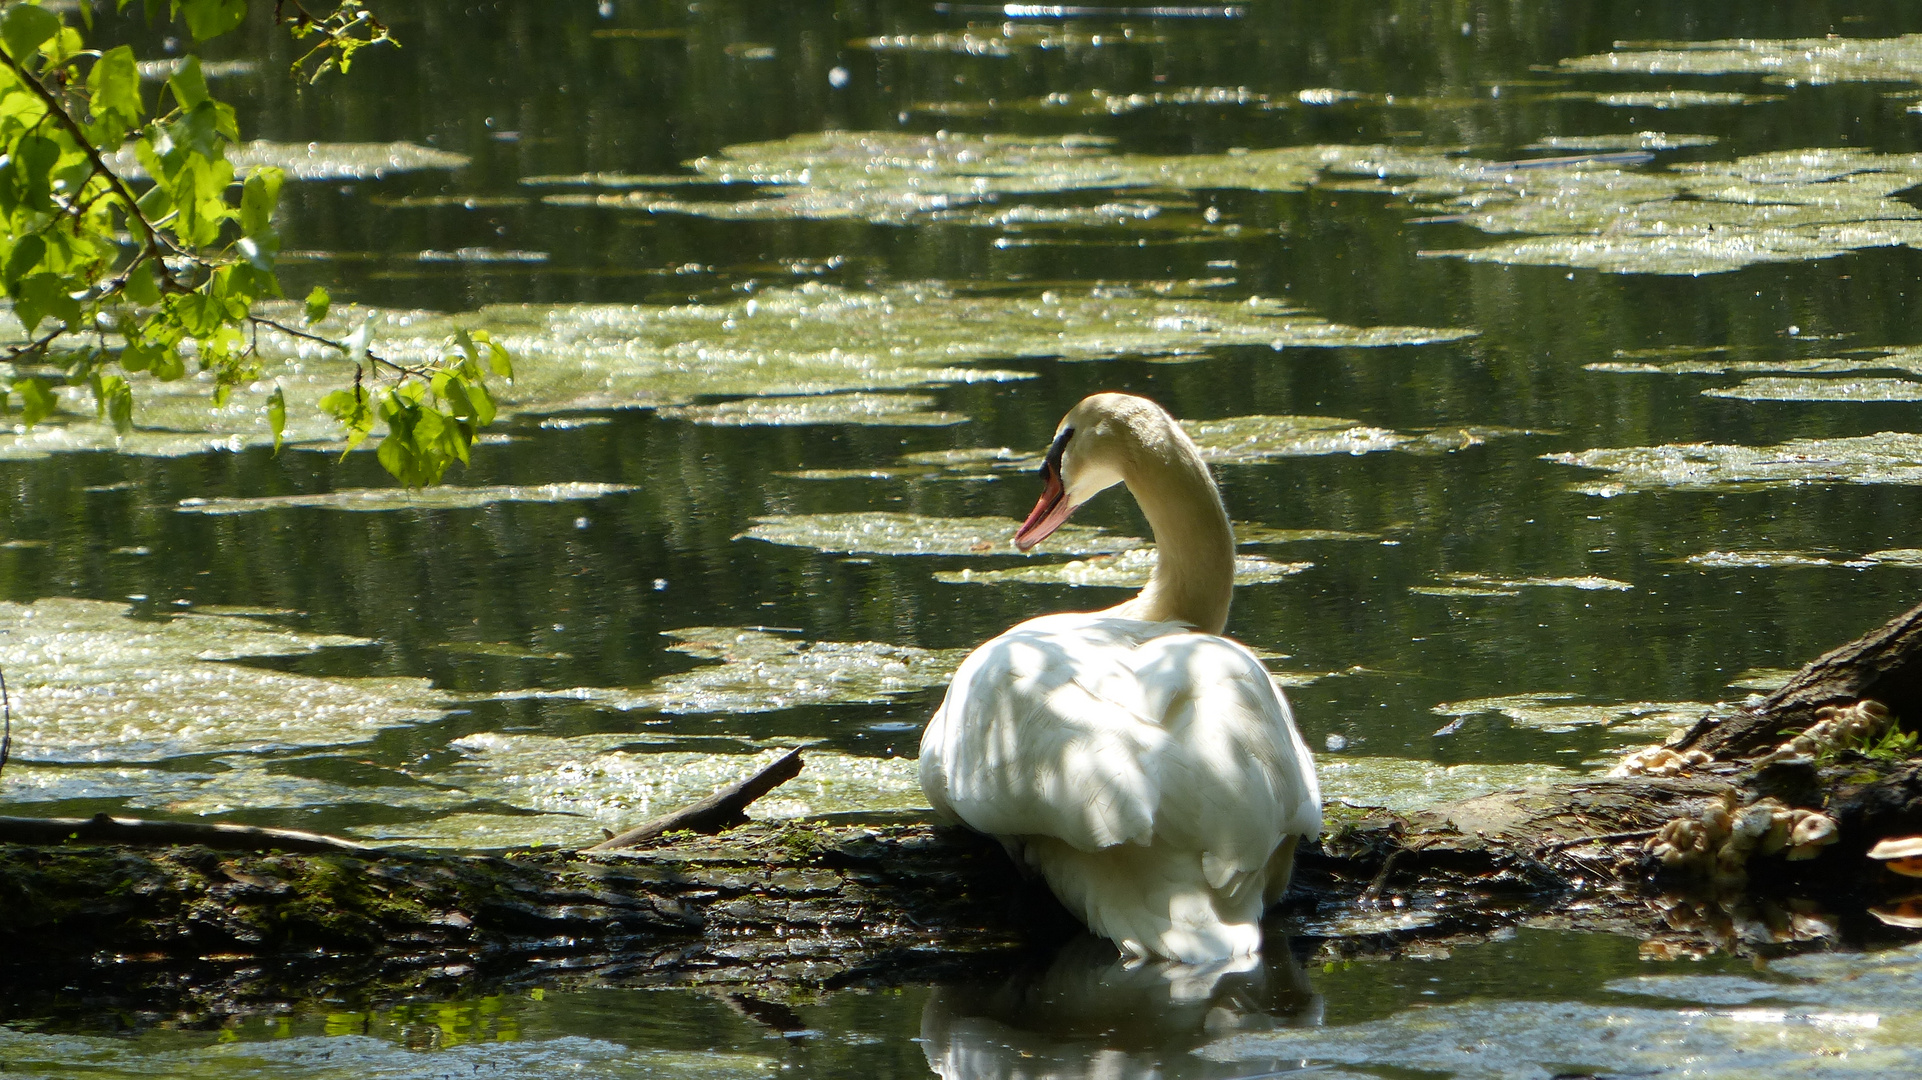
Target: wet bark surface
x=176 y=929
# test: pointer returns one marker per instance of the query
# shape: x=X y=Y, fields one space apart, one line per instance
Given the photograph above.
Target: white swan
x=1149 y=768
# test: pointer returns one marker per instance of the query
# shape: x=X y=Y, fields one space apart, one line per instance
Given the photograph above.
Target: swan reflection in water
x=1089 y=1013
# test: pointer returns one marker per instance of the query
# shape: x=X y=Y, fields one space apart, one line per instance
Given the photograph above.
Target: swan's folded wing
x=1236 y=779
x=1042 y=733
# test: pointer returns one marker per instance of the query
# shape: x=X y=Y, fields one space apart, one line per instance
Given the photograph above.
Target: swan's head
x=1090 y=452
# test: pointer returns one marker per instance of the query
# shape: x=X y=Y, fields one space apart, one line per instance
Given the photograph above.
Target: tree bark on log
x=193 y=928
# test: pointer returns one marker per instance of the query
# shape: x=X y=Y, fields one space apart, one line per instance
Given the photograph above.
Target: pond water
x=1559 y=388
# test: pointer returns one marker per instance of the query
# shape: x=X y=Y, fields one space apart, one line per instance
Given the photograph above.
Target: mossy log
x=189 y=927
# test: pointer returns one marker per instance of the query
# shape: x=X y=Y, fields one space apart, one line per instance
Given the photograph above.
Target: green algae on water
x=1629 y=140
x=1405 y=784
x=584 y=784
x=1126 y=570
x=1815 y=61
x=878 y=410
x=762 y=670
x=321 y=161
x=1765 y=680
x=374 y=500
x=1784 y=389
x=91 y=684
x=1559 y=714
x=1680 y=99
x=1886 y=458
x=887 y=533
x=813 y=339
x=1766 y=560
x=1468 y=584
x=1244 y=440
x=1006 y=39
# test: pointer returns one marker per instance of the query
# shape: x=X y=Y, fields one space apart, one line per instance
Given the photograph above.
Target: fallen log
x=808 y=905
x=104 y=829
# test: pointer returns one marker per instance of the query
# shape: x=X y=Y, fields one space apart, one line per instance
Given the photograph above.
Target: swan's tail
x=1155 y=900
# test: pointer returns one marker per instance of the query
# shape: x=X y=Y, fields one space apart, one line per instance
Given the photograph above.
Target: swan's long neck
x=1194 y=576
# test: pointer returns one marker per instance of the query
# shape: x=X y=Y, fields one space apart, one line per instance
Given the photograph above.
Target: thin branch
x=721 y=810
x=263 y=320
x=152 y=239
x=16 y=353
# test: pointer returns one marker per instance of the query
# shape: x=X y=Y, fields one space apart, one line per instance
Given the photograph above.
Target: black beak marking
x=1051 y=465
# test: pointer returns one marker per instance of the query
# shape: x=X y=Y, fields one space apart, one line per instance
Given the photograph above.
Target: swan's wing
x=1043 y=732
x=1236 y=779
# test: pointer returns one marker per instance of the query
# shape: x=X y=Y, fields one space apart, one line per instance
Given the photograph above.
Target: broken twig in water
x=721 y=810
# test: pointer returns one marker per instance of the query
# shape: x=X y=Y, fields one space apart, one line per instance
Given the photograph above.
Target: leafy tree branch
x=109 y=279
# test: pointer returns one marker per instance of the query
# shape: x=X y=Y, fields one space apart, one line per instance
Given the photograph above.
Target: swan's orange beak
x=1049 y=513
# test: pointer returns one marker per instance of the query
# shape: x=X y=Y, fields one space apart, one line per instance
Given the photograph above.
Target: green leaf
x=498 y=358
x=199 y=314
x=169 y=365
x=189 y=85
x=141 y=287
x=114 y=83
x=38 y=296
x=138 y=357
x=113 y=399
x=36 y=401
x=25 y=28
x=211 y=18
x=36 y=155
x=24 y=258
x=258 y=197
x=277 y=415
x=317 y=304
x=350 y=408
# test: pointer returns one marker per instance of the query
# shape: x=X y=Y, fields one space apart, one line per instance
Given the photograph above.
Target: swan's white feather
x=1153 y=774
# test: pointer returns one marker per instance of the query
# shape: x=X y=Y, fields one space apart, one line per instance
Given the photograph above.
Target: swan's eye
x=1051 y=465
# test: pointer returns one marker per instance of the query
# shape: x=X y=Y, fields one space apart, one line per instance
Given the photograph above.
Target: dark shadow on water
x=1086 y=1012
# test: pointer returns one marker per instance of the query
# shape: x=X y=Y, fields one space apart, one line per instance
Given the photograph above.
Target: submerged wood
x=725 y=809
x=87 y=918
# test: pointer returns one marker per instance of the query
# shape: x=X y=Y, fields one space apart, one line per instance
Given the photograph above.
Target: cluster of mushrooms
x=1835 y=726
x=1719 y=842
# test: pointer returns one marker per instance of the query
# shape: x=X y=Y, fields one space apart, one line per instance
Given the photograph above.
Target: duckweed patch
x=813 y=339
x=1006 y=39
x=322 y=161
x=880 y=410
x=1779 y=389
x=1886 y=458
x=375 y=500
x=1559 y=714
x=1681 y=99
x=765 y=671
x=1596 y=213
x=887 y=533
x=1467 y=584
x=1628 y=140
x=1814 y=61
x=584 y=784
x=1126 y=570
x=1405 y=784
x=90 y=684
x=1764 y=560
